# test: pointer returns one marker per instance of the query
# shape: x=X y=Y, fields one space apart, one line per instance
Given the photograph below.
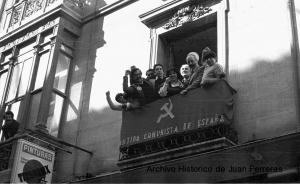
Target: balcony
x=177 y=126
x=26 y=11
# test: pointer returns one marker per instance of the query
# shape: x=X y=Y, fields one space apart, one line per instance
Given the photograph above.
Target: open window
x=174 y=45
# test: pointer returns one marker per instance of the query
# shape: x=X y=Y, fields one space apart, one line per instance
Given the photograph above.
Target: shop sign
x=32 y=163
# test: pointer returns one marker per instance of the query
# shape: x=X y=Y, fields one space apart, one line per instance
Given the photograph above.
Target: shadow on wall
x=266 y=102
x=266 y=106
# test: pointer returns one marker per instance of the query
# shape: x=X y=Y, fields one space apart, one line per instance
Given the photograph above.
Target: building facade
x=59 y=57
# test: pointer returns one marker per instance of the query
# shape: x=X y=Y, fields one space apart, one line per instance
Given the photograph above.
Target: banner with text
x=200 y=108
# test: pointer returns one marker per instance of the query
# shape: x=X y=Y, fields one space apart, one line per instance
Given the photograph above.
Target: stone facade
x=257 y=43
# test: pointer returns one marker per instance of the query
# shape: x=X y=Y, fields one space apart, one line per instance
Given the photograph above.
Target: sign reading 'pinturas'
x=32 y=163
x=37 y=152
x=201 y=108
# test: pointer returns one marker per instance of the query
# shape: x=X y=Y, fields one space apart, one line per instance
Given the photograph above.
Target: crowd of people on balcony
x=159 y=84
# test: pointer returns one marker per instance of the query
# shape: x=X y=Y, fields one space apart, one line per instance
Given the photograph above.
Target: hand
x=183 y=92
x=168 y=79
x=107 y=93
x=139 y=88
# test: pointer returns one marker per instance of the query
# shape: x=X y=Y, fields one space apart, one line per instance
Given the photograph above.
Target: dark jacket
x=143 y=92
x=195 y=78
x=10 y=128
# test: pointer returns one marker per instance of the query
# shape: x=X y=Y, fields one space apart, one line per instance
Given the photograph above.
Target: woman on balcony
x=172 y=84
x=213 y=71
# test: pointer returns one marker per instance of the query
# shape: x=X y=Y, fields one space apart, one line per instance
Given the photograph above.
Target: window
x=61 y=73
x=21 y=72
x=3 y=77
x=4 y=65
x=59 y=90
x=54 y=116
x=42 y=68
x=3 y=73
x=14 y=87
x=24 y=73
x=43 y=63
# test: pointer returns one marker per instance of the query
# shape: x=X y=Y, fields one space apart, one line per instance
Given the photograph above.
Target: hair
x=184 y=65
x=150 y=70
x=132 y=71
x=119 y=96
x=175 y=71
x=207 y=53
x=158 y=64
x=195 y=54
x=9 y=113
x=152 y=74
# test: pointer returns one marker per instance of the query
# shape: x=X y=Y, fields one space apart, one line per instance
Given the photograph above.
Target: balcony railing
x=27 y=10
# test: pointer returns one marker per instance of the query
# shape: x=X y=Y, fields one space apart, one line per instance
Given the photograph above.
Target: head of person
x=192 y=59
x=9 y=116
x=173 y=74
x=121 y=98
x=158 y=70
x=185 y=71
x=209 y=57
x=136 y=76
x=150 y=74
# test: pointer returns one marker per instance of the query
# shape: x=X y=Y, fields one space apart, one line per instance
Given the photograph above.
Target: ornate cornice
x=187 y=14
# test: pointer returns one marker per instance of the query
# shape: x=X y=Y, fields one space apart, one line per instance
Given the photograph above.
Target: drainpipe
x=295 y=52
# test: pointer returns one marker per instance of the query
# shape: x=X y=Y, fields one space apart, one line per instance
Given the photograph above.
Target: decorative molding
x=177 y=153
x=32 y=6
x=178 y=140
x=29 y=35
x=187 y=14
x=16 y=15
x=107 y=10
x=80 y=3
x=49 y=2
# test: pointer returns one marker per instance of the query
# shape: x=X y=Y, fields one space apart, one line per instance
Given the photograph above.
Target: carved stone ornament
x=80 y=3
x=16 y=15
x=187 y=14
x=32 y=6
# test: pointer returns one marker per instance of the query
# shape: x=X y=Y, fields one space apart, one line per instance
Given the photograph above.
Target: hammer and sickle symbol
x=168 y=111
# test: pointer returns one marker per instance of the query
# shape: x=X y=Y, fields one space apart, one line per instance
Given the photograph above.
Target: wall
x=297 y=11
x=106 y=48
x=262 y=69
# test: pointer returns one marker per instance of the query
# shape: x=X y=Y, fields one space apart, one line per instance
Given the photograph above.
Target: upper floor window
x=59 y=89
x=21 y=70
